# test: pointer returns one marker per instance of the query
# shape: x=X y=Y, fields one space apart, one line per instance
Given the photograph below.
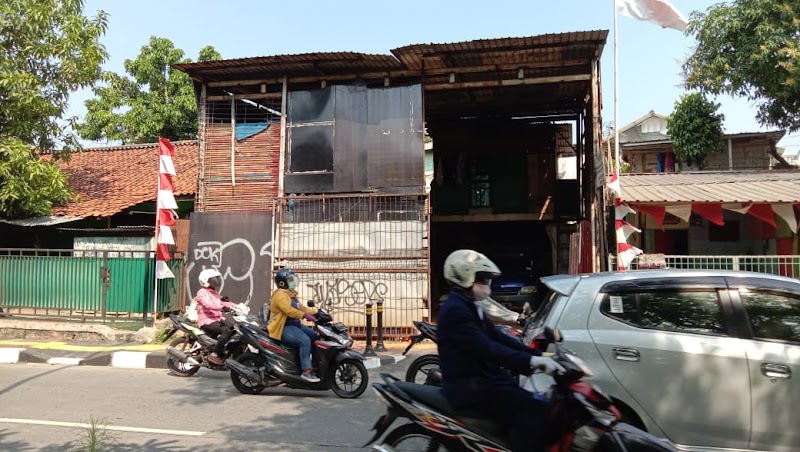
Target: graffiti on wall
x=344 y=293
x=239 y=246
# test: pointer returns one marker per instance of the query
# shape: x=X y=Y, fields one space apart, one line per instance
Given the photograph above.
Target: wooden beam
x=511 y=82
x=253 y=96
x=491 y=217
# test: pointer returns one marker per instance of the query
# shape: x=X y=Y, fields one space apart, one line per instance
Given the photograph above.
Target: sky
x=649 y=56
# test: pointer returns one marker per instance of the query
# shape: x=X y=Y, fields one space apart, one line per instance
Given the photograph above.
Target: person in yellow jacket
x=285 y=312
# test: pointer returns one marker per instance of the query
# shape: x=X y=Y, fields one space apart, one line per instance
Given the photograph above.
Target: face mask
x=291 y=284
x=481 y=291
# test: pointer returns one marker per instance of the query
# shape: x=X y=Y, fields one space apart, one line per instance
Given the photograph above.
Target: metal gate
x=87 y=285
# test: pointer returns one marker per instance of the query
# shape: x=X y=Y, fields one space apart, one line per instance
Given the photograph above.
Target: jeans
x=300 y=337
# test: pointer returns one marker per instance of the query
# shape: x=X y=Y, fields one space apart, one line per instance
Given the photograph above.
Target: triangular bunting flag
x=165 y=235
x=738 y=207
x=163 y=271
x=763 y=212
x=621 y=210
x=624 y=230
x=682 y=211
x=626 y=254
x=613 y=185
x=657 y=212
x=786 y=212
x=711 y=211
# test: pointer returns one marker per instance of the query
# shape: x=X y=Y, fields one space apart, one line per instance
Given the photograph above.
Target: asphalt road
x=42 y=408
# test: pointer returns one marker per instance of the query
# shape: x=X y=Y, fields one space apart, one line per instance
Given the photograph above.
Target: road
x=44 y=406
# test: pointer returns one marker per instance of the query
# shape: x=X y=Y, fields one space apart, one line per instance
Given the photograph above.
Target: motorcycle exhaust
x=244 y=371
x=180 y=356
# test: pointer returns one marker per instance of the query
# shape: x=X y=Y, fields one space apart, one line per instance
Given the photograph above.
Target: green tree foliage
x=695 y=128
x=751 y=49
x=29 y=186
x=48 y=49
x=152 y=100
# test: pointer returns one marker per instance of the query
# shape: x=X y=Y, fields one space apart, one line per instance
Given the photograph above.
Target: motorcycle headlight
x=580 y=364
x=527 y=290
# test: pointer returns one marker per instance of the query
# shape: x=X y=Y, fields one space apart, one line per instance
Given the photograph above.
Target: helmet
x=210 y=277
x=463 y=267
x=285 y=279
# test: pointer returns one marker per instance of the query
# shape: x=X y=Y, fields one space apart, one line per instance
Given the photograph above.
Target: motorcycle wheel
x=418 y=370
x=174 y=365
x=349 y=379
x=241 y=383
x=411 y=437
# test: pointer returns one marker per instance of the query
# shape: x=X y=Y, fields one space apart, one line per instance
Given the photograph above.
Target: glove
x=226 y=309
x=547 y=365
x=310 y=318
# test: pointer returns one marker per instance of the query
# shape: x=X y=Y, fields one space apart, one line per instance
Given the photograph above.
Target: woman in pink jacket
x=209 y=312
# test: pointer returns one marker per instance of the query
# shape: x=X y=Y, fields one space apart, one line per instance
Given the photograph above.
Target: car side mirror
x=310 y=303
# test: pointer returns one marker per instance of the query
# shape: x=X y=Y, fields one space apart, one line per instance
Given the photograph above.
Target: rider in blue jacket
x=474 y=353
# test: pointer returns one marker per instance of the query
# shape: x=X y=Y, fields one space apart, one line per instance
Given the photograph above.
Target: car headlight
x=527 y=289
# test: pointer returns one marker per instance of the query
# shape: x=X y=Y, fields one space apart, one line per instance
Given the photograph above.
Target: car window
x=772 y=315
x=693 y=311
x=539 y=317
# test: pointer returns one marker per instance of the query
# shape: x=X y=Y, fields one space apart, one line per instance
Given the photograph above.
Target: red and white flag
x=662 y=12
x=624 y=230
x=626 y=253
x=165 y=216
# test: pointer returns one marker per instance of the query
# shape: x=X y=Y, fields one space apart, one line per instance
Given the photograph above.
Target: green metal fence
x=776 y=265
x=91 y=285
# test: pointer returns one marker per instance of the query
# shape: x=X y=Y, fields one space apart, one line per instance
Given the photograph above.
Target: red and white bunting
x=614 y=186
x=165 y=202
x=624 y=230
x=786 y=213
x=626 y=253
x=621 y=209
x=682 y=211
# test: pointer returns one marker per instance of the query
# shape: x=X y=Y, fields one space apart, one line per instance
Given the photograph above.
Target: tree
x=750 y=48
x=48 y=49
x=695 y=128
x=29 y=186
x=152 y=100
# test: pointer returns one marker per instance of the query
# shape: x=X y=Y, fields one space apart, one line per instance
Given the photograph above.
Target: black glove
x=226 y=309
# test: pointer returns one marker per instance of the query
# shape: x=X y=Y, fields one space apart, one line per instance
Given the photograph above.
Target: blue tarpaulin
x=247 y=130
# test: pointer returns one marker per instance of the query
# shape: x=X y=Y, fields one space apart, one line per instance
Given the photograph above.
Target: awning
x=723 y=187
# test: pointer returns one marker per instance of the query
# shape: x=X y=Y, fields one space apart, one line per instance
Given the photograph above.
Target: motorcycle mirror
x=553 y=335
x=310 y=303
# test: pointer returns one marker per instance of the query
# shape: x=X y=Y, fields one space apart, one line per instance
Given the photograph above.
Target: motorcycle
x=188 y=353
x=268 y=362
x=425 y=368
x=581 y=417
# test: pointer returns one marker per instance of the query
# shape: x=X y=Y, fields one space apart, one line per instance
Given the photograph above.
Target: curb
x=129 y=360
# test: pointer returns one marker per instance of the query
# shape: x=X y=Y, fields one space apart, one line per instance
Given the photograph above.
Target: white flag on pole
x=661 y=12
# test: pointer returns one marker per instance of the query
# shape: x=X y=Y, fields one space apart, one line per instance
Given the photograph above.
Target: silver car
x=702 y=357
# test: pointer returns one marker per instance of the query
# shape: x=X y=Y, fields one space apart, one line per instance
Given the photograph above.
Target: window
x=694 y=311
x=479 y=183
x=772 y=315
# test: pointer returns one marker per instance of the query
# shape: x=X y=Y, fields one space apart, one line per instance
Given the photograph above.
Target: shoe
x=309 y=377
x=214 y=359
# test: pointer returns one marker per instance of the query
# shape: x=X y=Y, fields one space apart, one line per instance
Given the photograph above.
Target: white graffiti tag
x=211 y=254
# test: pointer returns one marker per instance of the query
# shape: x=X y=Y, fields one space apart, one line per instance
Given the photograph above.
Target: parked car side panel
x=773 y=352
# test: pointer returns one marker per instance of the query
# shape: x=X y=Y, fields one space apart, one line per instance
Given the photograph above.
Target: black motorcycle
x=188 y=353
x=581 y=417
x=271 y=363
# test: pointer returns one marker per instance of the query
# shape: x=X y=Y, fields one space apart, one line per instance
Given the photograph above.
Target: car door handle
x=772 y=370
x=626 y=354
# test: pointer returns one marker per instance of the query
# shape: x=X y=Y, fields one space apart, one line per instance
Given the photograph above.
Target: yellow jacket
x=280 y=308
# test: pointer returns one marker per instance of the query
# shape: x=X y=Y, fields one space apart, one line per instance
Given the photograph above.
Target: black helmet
x=282 y=278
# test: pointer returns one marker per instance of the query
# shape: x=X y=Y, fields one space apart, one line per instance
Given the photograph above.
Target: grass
x=95 y=438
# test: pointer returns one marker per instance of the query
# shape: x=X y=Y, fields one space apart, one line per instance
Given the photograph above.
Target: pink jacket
x=209 y=306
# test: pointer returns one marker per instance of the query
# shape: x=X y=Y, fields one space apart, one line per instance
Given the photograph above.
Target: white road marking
x=9 y=355
x=65 y=361
x=129 y=360
x=117 y=428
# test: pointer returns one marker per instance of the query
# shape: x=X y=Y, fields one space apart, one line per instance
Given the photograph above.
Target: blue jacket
x=473 y=351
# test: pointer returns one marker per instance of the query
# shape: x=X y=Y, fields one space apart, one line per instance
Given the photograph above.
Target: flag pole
x=616 y=113
x=155 y=239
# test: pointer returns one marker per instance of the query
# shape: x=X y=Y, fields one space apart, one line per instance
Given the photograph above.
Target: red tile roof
x=111 y=179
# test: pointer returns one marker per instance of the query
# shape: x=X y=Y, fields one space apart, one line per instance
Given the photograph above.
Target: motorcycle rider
x=473 y=353
x=285 y=312
x=209 y=312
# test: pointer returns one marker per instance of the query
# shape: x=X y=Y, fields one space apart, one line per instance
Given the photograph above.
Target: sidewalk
x=72 y=344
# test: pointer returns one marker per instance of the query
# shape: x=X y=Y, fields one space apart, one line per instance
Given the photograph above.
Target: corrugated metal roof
x=556 y=47
x=296 y=65
x=503 y=51
x=766 y=187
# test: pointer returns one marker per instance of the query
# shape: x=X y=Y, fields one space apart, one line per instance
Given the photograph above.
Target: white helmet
x=207 y=274
x=462 y=266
